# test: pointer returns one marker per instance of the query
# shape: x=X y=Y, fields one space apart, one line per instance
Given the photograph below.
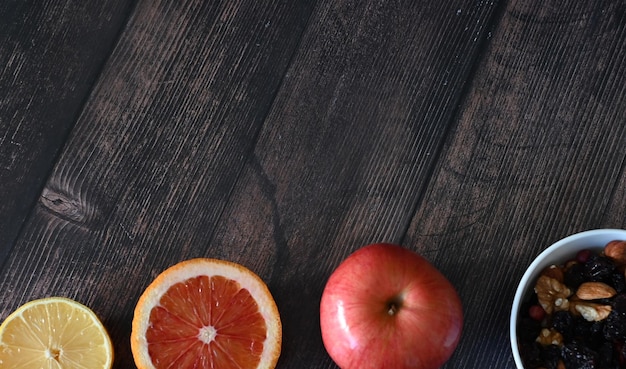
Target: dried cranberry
x=583 y=255
x=536 y=312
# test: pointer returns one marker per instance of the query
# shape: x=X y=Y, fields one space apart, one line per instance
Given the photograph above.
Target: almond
x=616 y=251
x=595 y=290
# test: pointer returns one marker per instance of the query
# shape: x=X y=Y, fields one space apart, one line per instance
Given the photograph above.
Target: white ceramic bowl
x=557 y=253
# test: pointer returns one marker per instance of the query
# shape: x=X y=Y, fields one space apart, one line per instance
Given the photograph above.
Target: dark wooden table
x=283 y=135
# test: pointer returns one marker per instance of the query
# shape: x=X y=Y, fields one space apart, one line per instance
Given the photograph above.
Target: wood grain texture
x=154 y=154
x=347 y=148
x=538 y=154
x=51 y=53
x=283 y=135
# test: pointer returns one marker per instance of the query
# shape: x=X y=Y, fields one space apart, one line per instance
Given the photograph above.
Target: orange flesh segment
x=206 y=322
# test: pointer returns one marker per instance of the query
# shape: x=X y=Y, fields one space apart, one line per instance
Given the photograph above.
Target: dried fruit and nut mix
x=576 y=319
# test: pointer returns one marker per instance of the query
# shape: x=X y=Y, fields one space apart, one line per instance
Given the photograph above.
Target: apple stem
x=393 y=306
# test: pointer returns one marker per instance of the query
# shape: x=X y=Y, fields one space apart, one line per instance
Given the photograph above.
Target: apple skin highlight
x=386 y=307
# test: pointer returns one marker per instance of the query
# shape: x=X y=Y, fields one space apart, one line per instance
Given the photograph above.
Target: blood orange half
x=206 y=313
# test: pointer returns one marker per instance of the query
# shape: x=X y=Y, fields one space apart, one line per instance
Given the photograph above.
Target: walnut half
x=552 y=294
x=550 y=337
x=590 y=311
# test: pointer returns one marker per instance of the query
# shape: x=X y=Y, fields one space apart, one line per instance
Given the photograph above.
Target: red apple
x=386 y=307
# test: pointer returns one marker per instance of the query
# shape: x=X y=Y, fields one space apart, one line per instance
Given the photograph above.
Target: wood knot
x=68 y=208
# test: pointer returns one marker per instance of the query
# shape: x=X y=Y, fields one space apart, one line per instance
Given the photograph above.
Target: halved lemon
x=206 y=313
x=54 y=332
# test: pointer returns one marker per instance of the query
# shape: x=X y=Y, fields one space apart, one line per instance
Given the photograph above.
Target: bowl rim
x=604 y=234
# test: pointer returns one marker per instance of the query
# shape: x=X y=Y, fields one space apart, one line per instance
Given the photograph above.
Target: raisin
x=620 y=352
x=528 y=329
x=563 y=322
x=619 y=304
x=615 y=326
x=575 y=355
x=598 y=268
x=574 y=276
x=596 y=335
x=530 y=353
x=582 y=328
x=607 y=357
x=617 y=281
x=550 y=356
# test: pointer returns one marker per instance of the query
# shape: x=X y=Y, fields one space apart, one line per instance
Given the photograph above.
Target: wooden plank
x=154 y=155
x=348 y=147
x=538 y=154
x=171 y=157
x=51 y=53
